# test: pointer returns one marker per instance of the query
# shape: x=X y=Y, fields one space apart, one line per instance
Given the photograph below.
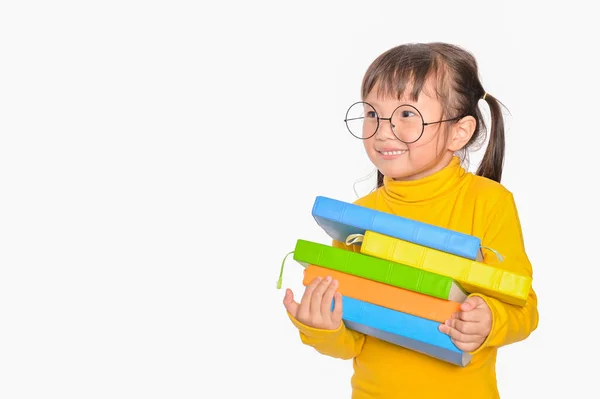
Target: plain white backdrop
x=159 y=159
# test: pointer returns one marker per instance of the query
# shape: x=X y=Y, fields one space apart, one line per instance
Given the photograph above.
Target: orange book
x=385 y=295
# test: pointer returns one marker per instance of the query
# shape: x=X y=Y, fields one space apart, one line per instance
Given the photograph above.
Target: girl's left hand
x=469 y=328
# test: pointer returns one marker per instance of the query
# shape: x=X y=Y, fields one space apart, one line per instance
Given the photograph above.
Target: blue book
x=402 y=329
x=341 y=219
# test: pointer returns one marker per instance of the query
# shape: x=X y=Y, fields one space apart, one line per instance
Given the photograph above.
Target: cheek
x=422 y=153
x=429 y=143
x=369 y=147
x=422 y=148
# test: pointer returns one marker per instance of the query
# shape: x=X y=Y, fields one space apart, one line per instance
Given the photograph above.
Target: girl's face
x=402 y=161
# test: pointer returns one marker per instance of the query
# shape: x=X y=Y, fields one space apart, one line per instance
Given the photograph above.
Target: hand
x=469 y=328
x=314 y=310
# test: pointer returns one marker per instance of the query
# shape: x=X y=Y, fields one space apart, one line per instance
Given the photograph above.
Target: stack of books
x=406 y=278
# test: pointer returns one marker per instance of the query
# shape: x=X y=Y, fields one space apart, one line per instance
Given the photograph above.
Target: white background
x=159 y=159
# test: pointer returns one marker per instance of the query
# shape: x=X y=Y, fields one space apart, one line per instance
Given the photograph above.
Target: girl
x=419 y=109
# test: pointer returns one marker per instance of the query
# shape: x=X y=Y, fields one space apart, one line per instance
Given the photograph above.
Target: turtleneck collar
x=428 y=188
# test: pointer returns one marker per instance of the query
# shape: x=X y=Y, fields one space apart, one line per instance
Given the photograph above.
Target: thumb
x=467 y=305
x=290 y=305
x=471 y=303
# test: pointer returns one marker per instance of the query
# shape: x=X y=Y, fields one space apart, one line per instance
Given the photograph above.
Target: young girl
x=419 y=109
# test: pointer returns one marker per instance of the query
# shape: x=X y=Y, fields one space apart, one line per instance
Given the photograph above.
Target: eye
x=370 y=115
x=405 y=113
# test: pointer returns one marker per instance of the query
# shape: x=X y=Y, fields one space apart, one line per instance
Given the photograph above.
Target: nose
x=385 y=131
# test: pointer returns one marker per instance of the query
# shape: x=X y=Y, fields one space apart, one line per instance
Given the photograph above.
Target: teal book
x=341 y=219
x=402 y=329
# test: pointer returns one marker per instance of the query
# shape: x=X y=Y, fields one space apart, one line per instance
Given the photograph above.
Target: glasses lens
x=407 y=123
x=361 y=120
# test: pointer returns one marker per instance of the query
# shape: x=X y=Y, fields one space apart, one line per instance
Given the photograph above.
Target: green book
x=376 y=269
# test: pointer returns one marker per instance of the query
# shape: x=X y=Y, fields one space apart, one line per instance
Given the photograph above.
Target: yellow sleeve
x=510 y=323
x=341 y=343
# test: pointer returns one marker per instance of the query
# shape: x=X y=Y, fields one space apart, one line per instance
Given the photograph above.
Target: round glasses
x=406 y=121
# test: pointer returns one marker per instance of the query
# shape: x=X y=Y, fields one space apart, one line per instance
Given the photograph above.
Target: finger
x=336 y=315
x=471 y=303
x=457 y=336
x=472 y=316
x=290 y=304
x=465 y=327
x=317 y=296
x=328 y=298
x=310 y=288
x=304 y=309
x=466 y=347
x=467 y=305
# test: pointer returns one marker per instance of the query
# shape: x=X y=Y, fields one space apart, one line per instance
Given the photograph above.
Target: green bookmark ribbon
x=280 y=280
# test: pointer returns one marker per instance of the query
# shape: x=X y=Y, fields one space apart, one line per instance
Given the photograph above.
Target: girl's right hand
x=314 y=310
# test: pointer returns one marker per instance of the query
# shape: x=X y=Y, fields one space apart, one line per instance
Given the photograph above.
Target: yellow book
x=473 y=276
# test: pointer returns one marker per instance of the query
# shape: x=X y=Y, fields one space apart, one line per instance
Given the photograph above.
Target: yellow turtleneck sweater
x=461 y=201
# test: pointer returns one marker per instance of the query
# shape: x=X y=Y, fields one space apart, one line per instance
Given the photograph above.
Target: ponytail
x=493 y=160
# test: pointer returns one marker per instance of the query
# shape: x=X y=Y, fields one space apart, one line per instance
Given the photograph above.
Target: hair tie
x=484 y=94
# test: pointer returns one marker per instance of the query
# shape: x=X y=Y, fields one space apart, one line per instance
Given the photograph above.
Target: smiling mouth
x=395 y=152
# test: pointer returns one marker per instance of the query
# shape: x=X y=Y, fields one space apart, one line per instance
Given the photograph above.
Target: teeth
x=393 y=152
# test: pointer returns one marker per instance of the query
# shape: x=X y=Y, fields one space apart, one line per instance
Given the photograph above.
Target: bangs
x=403 y=72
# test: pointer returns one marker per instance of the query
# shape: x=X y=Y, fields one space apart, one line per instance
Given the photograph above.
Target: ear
x=462 y=131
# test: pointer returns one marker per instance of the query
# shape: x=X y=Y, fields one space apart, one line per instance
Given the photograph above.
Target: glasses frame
x=379 y=118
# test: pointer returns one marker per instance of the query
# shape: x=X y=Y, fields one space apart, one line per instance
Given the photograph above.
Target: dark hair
x=458 y=87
